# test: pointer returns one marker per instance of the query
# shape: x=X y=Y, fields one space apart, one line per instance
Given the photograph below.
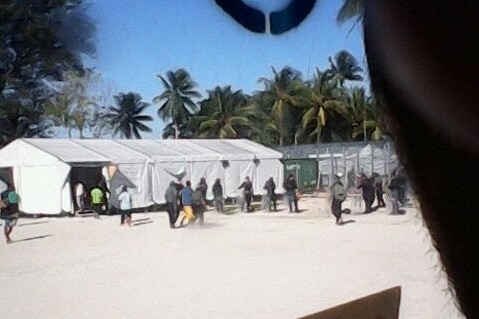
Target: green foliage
x=226 y=114
x=288 y=110
x=177 y=101
x=39 y=41
x=351 y=9
x=127 y=118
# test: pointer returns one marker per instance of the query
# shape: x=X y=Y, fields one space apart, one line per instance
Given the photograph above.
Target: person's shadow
x=31 y=238
x=346 y=222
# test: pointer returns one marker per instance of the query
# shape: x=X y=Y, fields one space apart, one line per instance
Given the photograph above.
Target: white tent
x=243 y=158
x=132 y=164
x=42 y=169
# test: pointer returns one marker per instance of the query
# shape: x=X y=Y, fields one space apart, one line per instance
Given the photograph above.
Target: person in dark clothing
x=171 y=198
x=378 y=186
x=394 y=187
x=291 y=188
x=367 y=188
x=402 y=186
x=338 y=194
x=218 y=196
x=247 y=187
x=9 y=210
x=270 y=188
x=179 y=205
x=204 y=187
x=106 y=194
x=198 y=204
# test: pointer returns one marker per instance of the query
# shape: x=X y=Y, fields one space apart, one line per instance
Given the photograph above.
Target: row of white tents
x=42 y=169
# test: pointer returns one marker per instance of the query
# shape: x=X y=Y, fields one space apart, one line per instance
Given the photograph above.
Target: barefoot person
x=125 y=206
x=9 y=210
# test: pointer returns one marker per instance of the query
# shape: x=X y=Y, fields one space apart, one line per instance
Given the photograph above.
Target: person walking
x=96 y=197
x=79 y=191
x=203 y=187
x=179 y=205
x=291 y=188
x=367 y=189
x=247 y=187
x=187 y=202
x=264 y=196
x=338 y=196
x=9 y=210
x=378 y=186
x=198 y=204
x=171 y=197
x=125 y=206
x=394 y=189
x=270 y=188
x=218 y=196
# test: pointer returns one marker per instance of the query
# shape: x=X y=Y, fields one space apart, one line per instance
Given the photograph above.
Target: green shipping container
x=306 y=172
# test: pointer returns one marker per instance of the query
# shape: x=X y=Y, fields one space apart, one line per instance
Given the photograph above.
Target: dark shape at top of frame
x=250 y=18
x=291 y=16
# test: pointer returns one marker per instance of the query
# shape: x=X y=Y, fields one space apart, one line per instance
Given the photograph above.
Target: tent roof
x=67 y=150
x=229 y=149
x=116 y=152
x=154 y=150
x=190 y=149
x=260 y=151
x=85 y=151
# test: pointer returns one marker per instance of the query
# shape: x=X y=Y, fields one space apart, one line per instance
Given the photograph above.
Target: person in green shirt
x=96 y=197
x=9 y=210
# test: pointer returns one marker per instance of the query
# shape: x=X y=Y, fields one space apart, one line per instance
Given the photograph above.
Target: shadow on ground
x=32 y=238
x=33 y=223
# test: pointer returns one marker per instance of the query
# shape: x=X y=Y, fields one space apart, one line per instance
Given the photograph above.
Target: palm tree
x=323 y=107
x=226 y=114
x=127 y=117
x=177 y=103
x=365 y=115
x=345 y=68
x=72 y=106
x=282 y=93
x=351 y=9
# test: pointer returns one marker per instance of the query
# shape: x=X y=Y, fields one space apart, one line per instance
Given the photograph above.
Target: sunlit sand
x=258 y=265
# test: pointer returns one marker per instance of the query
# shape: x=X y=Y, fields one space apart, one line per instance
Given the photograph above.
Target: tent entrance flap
x=88 y=176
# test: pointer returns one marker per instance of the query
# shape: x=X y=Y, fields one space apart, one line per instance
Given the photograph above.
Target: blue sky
x=136 y=40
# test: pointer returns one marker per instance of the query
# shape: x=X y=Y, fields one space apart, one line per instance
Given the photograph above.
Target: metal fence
x=351 y=159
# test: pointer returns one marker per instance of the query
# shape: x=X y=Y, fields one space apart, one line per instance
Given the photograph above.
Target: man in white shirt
x=125 y=205
x=79 y=196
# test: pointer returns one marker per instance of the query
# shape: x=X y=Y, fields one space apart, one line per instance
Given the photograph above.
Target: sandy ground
x=259 y=265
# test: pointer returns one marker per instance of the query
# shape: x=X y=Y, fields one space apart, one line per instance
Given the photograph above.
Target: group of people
x=193 y=202
x=270 y=197
x=95 y=199
x=371 y=189
x=179 y=197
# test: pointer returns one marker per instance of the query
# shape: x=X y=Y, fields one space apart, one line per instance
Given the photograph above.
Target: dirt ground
x=257 y=265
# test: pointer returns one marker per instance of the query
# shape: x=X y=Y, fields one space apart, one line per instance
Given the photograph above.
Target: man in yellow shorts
x=187 y=202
